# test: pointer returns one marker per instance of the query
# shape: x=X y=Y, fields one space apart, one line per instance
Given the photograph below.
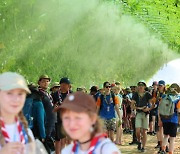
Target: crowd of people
x=89 y=121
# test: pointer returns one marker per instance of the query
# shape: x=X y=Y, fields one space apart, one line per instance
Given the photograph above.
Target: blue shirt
x=107 y=110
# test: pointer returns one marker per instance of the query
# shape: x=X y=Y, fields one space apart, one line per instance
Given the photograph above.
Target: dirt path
x=151 y=143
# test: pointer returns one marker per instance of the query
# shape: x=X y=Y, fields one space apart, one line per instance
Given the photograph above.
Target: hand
x=146 y=109
x=12 y=148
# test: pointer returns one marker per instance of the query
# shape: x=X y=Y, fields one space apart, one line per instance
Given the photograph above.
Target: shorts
x=170 y=129
x=110 y=124
x=142 y=120
x=59 y=133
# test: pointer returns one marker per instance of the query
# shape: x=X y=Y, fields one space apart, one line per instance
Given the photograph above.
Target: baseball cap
x=65 y=80
x=12 y=80
x=44 y=77
x=79 y=102
x=161 y=82
x=142 y=82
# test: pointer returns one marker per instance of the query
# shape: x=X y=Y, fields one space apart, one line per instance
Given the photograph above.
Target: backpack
x=28 y=111
x=166 y=107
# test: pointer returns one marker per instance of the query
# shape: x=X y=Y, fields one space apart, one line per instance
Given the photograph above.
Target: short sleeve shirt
x=142 y=101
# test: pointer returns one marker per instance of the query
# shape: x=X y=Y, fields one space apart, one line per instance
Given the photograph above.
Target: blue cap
x=161 y=82
x=65 y=80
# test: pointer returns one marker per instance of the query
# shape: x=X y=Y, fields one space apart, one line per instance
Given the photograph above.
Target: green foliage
x=88 y=41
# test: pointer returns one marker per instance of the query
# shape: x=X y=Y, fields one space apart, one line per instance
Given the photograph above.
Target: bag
x=166 y=107
x=27 y=111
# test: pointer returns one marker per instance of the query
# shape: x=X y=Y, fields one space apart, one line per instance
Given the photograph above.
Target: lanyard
x=93 y=145
x=23 y=137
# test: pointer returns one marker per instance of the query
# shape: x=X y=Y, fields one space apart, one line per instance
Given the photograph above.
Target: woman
x=81 y=123
x=14 y=132
x=119 y=130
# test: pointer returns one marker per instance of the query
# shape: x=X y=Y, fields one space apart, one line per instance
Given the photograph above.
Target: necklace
x=85 y=141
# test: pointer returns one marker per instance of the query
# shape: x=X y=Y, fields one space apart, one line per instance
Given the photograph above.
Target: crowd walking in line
x=86 y=120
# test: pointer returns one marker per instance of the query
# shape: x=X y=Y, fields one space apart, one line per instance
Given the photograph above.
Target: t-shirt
x=142 y=101
x=104 y=147
x=174 y=118
x=13 y=133
x=107 y=110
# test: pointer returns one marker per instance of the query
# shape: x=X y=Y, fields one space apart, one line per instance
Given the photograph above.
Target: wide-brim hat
x=44 y=77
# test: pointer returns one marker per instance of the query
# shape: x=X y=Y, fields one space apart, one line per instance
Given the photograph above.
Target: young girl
x=81 y=123
x=14 y=132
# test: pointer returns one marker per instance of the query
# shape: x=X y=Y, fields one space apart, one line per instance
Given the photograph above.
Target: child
x=14 y=132
x=80 y=121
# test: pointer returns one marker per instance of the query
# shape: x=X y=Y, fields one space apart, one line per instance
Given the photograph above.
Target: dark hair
x=105 y=84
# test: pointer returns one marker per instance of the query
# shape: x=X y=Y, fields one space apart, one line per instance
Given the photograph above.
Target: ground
x=151 y=143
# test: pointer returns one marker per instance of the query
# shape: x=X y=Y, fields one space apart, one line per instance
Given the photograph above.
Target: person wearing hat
x=58 y=97
x=14 y=131
x=142 y=102
x=169 y=124
x=47 y=100
x=106 y=104
x=54 y=87
x=81 y=123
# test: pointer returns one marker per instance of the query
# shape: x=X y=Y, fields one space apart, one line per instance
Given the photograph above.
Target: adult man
x=141 y=102
x=107 y=103
x=47 y=101
x=58 y=97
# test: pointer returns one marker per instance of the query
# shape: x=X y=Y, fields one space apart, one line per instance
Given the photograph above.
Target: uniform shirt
x=107 y=110
x=104 y=147
x=142 y=101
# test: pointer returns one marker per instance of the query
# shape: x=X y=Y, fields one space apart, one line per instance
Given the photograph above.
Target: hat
x=161 y=82
x=117 y=83
x=79 y=102
x=128 y=89
x=55 y=84
x=155 y=83
x=12 y=80
x=65 y=80
x=44 y=77
x=142 y=82
x=175 y=87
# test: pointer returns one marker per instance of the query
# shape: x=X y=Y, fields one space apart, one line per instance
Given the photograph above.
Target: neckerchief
x=93 y=145
x=23 y=136
x=47 y=94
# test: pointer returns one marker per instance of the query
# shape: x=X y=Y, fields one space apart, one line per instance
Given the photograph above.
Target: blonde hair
x=22 y=119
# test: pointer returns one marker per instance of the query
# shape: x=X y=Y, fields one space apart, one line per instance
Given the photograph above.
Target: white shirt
x=104 y=147
x=13 y=133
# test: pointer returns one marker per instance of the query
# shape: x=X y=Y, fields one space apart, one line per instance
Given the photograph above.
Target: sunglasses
x=108 y=86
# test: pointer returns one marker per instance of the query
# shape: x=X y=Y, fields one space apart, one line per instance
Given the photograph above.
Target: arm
x=98 y=104
x=40 y=119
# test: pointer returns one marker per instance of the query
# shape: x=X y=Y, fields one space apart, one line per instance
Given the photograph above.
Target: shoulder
x=107 y=146
x=67 y=149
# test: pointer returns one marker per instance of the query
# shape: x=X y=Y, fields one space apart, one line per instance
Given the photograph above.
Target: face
x=141 y=87
x=12 y=101
x=107 y=89
x=44 y=83
x=161 y=88
x=77 y=125
x=64 y=87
